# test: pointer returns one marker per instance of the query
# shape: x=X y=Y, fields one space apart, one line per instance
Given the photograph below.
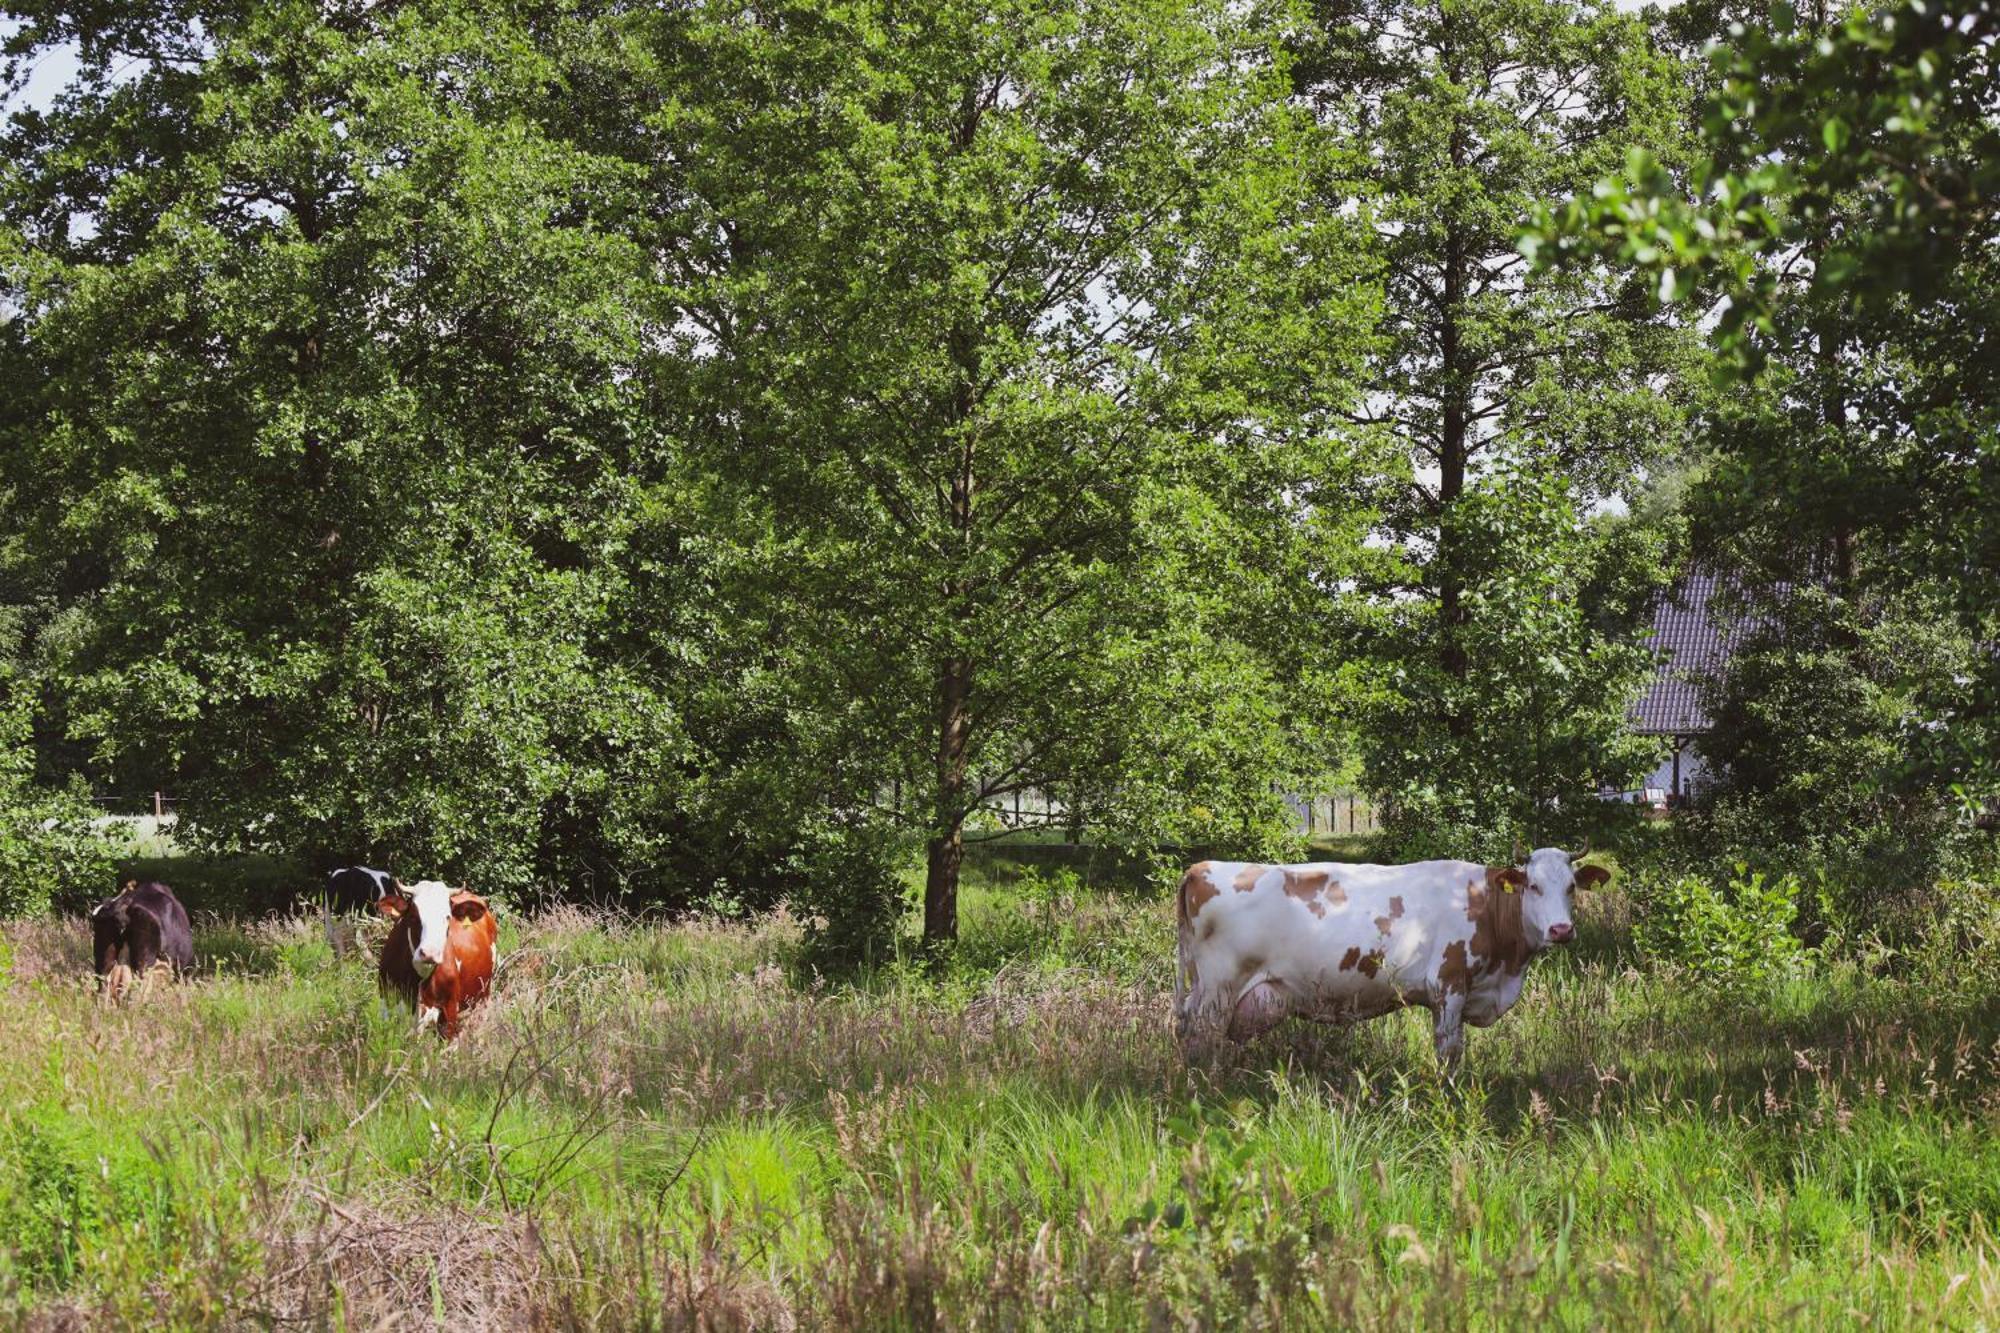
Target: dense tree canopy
x=720 y=453
x=1518 y=399
x=950 y=296
x=1840 y=223
x=321 y=406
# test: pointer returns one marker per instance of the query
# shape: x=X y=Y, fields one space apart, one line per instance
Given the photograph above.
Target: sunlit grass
x=672 y=1125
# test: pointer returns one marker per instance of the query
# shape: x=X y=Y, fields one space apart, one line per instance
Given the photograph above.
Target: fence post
x=159 y=806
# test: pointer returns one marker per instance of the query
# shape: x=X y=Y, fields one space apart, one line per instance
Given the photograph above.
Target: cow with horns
x=440 y=954
x=1342 y=943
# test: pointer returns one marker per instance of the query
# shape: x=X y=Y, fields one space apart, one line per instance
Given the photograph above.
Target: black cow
x=145 y=924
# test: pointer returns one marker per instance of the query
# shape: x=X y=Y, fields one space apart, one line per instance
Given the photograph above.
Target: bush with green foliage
x=1819 y=753
x=48 y=850
x=847 y=894
x=1737 y=935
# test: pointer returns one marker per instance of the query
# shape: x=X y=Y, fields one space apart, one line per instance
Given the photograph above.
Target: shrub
x=48 y=850
x=847 y=896
x=1950 y=930
x=1731 y=936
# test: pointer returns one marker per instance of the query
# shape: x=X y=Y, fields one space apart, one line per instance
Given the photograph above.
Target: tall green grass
x=679 y=1126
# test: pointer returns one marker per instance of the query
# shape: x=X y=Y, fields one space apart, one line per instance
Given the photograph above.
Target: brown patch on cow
x=1395 y=907
x=1503 y=878
x=1196 y=889
x=1382 y=924
x=1349 y=960
x=1335 y=895
x=1247 y=877
x=1499 y=942
x=1370 y=964
x=1309 y=886
x=1454 y=972
x=1591 y=877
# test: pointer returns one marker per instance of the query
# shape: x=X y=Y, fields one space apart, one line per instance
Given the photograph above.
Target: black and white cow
x=353 y=889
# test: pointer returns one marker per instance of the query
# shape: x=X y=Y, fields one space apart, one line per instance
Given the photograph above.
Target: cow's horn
x=1520 y=857
x=1578 y=856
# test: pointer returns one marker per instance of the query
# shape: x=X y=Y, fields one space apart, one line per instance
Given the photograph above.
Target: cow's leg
x=1262 y=1006
x=144 y=952
x=1450 y=1031
x=1199 y=1024
x=425 y=1016
x=448 y=1020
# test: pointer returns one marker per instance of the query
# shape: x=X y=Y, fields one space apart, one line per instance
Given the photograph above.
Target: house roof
x=1694 y=643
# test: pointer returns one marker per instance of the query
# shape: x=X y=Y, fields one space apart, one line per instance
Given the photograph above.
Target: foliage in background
x=1552 y=689
x=1820 y=741
x=321 y=347
x=1841 y=225
x=48 y=850
x=1516 y=398
x=359 y=541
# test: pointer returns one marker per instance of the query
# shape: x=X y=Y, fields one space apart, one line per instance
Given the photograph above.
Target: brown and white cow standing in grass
x=1341 y=943
x=441 y=952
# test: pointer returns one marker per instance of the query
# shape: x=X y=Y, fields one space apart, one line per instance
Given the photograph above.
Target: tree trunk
x=946 y=853
x=1453 y=451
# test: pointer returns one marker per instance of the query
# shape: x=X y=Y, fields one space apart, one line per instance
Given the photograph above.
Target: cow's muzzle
x=1561 y=933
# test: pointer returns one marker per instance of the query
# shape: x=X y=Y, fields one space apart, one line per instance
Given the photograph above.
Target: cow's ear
x=392 y=905
x=468 y=908
x=1591 y=876
x=1514 y=878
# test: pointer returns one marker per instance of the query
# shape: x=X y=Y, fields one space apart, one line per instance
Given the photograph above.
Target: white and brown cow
x=441 y=952
x=1340 y=943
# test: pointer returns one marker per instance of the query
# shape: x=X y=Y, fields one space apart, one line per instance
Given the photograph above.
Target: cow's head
x=430 y=901
x=1545 y=878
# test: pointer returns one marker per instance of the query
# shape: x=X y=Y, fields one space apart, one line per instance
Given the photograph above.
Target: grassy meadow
x=673 y=1126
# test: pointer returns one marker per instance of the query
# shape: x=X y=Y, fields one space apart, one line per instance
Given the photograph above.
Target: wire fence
x=1022 y=810
x=1334 y=814
x=158 y=804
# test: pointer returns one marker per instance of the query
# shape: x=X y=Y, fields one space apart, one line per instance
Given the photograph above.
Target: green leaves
x=983 y=410
x=1883 y=109
x=335 y=405
x=1499 y=382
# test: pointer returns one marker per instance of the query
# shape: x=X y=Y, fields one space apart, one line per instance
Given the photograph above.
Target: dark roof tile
x=1694 y=641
